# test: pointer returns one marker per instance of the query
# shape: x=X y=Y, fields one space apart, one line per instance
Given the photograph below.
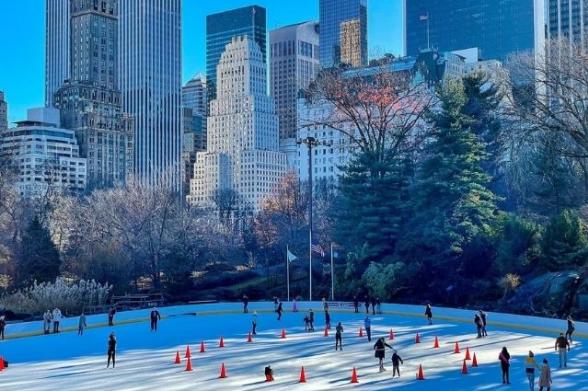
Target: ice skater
x=47 y=322
x=269 y=374
x=327 y=320
x=483 y=316
x=571 y=329
x=294 y=305
x=111 y=313
x=367 y=324
x=56 y=317
x=367 y=304
x=504 y=358
x=530 y=366
x=310 y=320
x=111 y=350
x=545 y=377
x=254 y=323
x=396 y=361
x=155 y=317
x=562 y=346
x=355 y=304
x=478 y=323
x=339 y=336
x=2 y=326
x=279 y=310
x=429 y=313
x=245 y=304
x=82 y=324
x=380 y=351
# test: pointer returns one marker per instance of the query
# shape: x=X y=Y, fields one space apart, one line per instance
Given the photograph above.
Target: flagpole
x=332 y=275
x=310 y=264
x=288 y=272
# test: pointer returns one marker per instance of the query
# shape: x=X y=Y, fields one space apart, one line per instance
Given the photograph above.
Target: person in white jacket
x=47 y=322
x=56 y=319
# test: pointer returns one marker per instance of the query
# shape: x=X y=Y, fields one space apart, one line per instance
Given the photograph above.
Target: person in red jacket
x=504 y=358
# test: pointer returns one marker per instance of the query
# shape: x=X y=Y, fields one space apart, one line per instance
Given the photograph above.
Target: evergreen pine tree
x=40 y=258
x=452 y=204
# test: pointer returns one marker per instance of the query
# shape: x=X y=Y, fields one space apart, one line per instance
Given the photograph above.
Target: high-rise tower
x=150 y=74
x=56 y=47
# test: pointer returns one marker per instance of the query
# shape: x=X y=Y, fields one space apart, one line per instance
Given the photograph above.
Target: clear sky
x=22 y=39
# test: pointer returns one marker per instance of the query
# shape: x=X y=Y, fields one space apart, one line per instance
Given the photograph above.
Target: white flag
x=291 y=257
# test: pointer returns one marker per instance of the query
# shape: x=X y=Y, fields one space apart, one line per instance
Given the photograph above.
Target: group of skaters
x=375 y=303
x=52 y=318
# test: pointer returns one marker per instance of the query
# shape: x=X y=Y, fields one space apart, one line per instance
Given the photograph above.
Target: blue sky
x=22 y=40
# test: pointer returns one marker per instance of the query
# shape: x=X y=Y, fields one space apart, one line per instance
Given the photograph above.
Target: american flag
x=318 y=249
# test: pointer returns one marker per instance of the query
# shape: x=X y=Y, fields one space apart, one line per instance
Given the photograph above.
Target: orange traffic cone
x=464 y=368
x=354 y=376
x=188 y=365
x=475 y=361
x=223 y=371
x=188 y=354
x=283 y=335
x=249 y=338
x=456 y=350
x=302 y=376
x=391 y=335
x=417 y=339
x=202 y=348
x=1 y=363
x=176 y=361
x=436 y=345
x=326 y=332
x=361 y=332
x=221 y=344
x=420 y=374
x=467 y=356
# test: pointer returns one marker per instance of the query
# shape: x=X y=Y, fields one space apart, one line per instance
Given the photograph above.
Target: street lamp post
x=311 y=142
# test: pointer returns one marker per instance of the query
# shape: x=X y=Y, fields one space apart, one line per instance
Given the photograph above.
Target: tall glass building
x=567 y=19
x=222 y=27
x=332 y=14
x=150 y=73
x=56 y=47
x=497 y=27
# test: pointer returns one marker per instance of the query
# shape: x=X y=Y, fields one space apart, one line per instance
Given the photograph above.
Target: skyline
x=22 y=65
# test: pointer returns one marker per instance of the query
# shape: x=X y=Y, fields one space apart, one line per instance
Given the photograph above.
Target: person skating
x=483 y=316
x=56 y=317
x=478 y=323
x=373 y=301
x=378 y=305
x=380 y=351
x=562 y=346
x=396 y=361
x=254 y=323
x=279 y=310
x=111 y=350
x=530 y=366
x=269 y=374
x=327 y=320
x=367 y=324
x=325 y=304
x=310 y=320
x=367 y=304
x=2 y=326
x=275 y=303
x=545 y=377
x=155 y=317
x=356 y=304
x=306 y=323
x=429 y=313
x=111 y=313
x=504 y=358
x=571 y=329
x=47 y=322
x=82 y=324
x=339 y=336
x=245 y=304
x=294 y=305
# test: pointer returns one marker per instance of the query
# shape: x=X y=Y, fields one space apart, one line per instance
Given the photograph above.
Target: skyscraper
x=194 y=113
x=497 y=27
x=56 y=47
x=332 y=14
x=242 y=155
x=567 y=19
x=90 y=102
x=350 y=40
x=294 y=64
x=222 y=27
x=3 y=113
x=150 y=81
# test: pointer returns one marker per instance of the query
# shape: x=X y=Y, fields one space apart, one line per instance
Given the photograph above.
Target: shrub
x=70 y=297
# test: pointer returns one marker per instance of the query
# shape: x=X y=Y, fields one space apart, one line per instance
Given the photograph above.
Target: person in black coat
x=367 y=304
x=339 y=336
x=396 y=361
x=310 y=320
x=356 y=304
x=478 y=323
x=571 y=329
x=504 y=358
x=279 y=310
x=155 y=317
x=429 y=313
x=484 y=323
x=111 y=350
x=327 y=320
x=380 y=351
